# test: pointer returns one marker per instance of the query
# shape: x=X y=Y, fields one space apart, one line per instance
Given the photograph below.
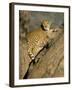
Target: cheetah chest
x=36 y=41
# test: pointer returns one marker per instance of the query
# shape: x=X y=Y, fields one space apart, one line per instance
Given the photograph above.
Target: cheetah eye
x=45 y=26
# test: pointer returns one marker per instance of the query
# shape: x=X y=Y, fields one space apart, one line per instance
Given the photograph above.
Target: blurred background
x=31 y=20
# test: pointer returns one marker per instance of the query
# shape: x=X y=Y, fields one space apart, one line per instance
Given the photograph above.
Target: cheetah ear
x=42 y=26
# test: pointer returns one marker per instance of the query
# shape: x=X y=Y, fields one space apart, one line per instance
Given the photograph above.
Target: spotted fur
x=37 y=39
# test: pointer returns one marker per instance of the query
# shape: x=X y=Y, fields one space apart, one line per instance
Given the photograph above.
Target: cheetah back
x=36 y=41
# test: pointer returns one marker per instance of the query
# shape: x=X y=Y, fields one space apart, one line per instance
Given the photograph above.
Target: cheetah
x=38 y=38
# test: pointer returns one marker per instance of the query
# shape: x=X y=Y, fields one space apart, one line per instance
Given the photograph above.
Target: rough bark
x=51 y=59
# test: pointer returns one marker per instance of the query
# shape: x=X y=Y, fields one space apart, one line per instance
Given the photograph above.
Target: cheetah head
x=45 y=25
